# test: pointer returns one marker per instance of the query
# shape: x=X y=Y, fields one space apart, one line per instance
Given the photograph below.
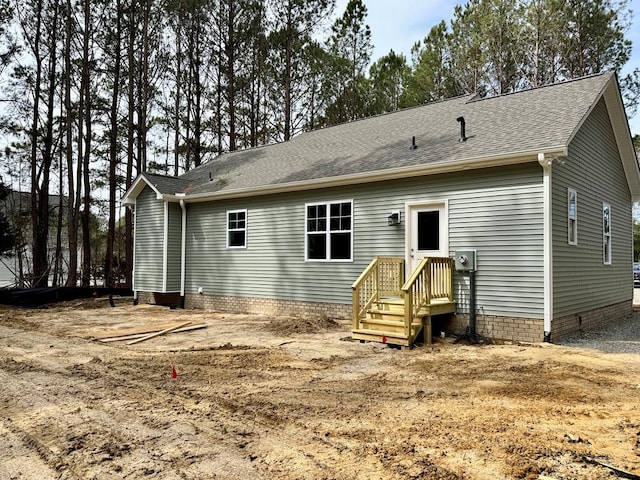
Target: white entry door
x=428 y=229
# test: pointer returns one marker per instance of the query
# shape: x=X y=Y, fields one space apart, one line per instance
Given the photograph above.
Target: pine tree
x=389 y=77
x=295 y=21
x=350 y=43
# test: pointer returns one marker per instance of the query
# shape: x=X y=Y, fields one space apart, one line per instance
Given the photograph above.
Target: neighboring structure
x=539 y=184
x=15 y=269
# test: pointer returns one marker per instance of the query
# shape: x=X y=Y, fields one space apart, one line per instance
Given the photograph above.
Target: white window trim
x=571 y=191
x=606 y=237
x=327 y=232
x=245 y=229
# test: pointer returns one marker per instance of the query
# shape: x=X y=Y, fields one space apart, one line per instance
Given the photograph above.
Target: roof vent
x=413 y=143
x=463 y=137
x=210 y=176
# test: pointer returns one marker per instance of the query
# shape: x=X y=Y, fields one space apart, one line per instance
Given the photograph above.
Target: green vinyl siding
x=593 y=168
x=149 y=235
x=496 y=211
x=174 y=250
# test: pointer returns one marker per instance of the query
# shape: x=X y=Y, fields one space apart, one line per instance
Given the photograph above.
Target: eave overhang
x=374 y=176
x=620 y=125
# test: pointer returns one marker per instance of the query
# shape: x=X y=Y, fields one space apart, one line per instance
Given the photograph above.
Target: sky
x=398 y=24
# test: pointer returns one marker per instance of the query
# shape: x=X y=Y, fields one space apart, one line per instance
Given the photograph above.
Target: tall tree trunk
x=39 y=245
x=189 y=98
x=72 y=217
x=86 y=88
x=113 y=155
x=47 y=147
x=176 y=147
x=219 y=101
x=197 y=114
x=142 y=88
x=130 y=140
x=59 y=260
x=287 y=73
x=231 y=94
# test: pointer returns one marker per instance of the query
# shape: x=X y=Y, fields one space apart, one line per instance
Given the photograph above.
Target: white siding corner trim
x=547 y=242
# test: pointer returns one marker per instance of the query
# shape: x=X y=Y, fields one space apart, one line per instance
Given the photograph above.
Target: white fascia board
x=375 y=176
x=129 y=198
x=622 y=133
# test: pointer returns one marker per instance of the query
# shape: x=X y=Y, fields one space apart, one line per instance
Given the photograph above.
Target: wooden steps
x=384 y=323
x=381 y=295
x=381 y=337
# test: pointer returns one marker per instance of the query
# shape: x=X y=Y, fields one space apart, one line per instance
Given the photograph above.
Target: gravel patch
x=621 y=337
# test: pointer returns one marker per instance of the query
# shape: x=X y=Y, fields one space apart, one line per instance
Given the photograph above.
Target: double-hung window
x=606 y=233
x=328 y=232
x=236 y=229
x=572 y=216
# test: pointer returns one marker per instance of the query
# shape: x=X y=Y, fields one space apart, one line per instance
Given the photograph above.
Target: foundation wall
x=490 y=326
x=590 y=319
x=268 y=306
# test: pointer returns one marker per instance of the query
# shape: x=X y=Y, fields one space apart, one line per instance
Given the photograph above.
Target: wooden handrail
x=383 y=276
x=432 y=278
x=365 y=272
x=415 y=274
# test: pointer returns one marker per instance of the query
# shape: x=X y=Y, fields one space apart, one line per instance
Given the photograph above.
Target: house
x=534 y=188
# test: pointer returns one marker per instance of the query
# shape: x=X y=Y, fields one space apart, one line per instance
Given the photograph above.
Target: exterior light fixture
x=394 y=218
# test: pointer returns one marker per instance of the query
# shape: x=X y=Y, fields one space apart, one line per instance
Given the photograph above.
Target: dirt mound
x=292 y=326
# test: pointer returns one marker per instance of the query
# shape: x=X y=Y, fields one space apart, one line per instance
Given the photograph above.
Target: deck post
x=356 y=308
x=450 y=280
x=426 y=330
x=376 y=283
x=408 y=314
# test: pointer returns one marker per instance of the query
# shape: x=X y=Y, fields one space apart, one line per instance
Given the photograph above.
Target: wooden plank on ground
x=133 y=331
x=618 y=471
x=140 y=335
x=157 y=334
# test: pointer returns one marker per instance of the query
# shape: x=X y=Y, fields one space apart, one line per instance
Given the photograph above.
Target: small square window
x=237 y=229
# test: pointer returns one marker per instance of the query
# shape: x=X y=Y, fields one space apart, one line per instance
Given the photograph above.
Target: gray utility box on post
x=465 y=260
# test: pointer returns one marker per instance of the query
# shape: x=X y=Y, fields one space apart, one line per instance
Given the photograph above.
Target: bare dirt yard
x=275 y=398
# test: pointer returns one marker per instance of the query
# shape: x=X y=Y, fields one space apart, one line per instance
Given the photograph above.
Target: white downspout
x=133 y=270
x=548 y=245
x=183 y=252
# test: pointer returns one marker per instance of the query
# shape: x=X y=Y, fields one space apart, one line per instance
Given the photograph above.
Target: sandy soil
x=266 y=398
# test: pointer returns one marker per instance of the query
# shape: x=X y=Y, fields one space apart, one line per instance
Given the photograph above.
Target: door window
x=429 y=230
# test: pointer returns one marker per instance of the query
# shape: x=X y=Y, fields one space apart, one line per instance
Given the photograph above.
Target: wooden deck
x=386 y=311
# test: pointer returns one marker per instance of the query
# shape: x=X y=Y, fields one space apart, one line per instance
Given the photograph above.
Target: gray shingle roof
x=167 y=185
x=533 y=120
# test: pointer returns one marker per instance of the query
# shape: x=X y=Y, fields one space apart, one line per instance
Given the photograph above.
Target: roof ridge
x=540 y=87
x=383 y=114
x=327 y=127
